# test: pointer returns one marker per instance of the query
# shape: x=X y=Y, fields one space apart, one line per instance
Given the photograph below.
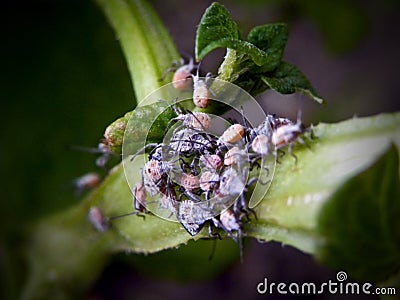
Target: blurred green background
x=64 y=79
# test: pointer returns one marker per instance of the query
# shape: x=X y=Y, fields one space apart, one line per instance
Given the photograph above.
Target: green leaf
x=288 y=79
x=291 y=206
x=265 y=44
x=215 y=25
x=290 y=210
x=271 y=39
x=147 y=45
x=65 y=255
x=136 y=234
x=360 y=223
x=256 y=64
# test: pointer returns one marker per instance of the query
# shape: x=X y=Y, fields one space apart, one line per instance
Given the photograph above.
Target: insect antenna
x=125 y=215
x=143 y=149
x=197 y=119
x=85 y=149
x=102 y=149
x=178 y=111
x=174 y=66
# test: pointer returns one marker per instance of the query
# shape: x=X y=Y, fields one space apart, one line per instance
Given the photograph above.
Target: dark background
x=64 y=79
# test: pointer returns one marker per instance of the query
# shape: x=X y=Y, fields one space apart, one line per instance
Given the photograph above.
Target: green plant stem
x=147 y=46
x=65 y=250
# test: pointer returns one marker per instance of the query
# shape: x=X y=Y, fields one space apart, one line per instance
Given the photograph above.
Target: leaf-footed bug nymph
x=103 y=149
x=234 y=156
x=276 y=133
x=201 y=91
x=182 y=77
x=211 y=162
x=261 y=145
x=188 y=184
x=195 y=120
x=209 y=181
x=96 y=218
x=156 y=178
x=231 y=183
x=193 y=216
x=139 y=197
x=233 y=134
x=288 y=132
x=86 y=182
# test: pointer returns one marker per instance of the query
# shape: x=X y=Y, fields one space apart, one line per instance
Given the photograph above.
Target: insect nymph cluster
x=202 y=172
